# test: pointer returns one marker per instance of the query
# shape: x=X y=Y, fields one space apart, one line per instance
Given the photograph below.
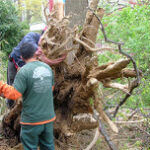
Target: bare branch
x=46 y=16
x=130 y=122
x=103 y=29
x=93 y=84
x=90 y=48
x=49 y=41
x=119 y=86
x=147 y=133
x=99 y=108
x=134 y=84
x=58 y=49
x=133 y=113
x=88 y=40
x=97 y=133
x=110 y=71
x=103 y=132
x=133 y=61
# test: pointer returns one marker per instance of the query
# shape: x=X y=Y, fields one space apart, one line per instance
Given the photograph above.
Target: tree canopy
x=31 y=9
x=11 y=29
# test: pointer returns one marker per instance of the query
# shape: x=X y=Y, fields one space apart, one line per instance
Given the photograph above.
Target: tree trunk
x=19 y=5
x=77 y=9
x=29 y=16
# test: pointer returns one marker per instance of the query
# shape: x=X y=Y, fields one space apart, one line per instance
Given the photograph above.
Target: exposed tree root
x=77 y=82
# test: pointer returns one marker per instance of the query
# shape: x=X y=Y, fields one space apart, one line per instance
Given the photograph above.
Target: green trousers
x=38 y=135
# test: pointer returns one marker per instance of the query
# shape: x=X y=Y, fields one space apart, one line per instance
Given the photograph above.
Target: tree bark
x=77 y=9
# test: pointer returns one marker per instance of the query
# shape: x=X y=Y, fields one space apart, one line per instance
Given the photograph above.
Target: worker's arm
x=9 y=91
x=39 y=53
x=50 y=62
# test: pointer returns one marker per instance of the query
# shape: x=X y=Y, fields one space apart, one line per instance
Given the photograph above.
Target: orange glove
x=9 y=91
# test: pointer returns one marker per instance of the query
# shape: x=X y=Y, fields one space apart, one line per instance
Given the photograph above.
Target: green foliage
x=11 y=28
x=33 y=9
x=143 y=98
x=131 y=26
x=3 y=74
x=107 y=56
x=98 y=142
x=91 y=101
x=138 y=143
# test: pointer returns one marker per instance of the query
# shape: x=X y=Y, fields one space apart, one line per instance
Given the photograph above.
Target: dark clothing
x=15 y=54
x=11 y=73
x=39 y=135
x=15 y=60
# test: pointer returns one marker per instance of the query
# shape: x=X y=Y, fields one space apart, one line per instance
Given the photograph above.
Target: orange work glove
x=9 y=91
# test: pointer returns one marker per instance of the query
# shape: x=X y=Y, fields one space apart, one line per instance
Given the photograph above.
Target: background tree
x=31 y=9
x=11 y=29
x=77 y=9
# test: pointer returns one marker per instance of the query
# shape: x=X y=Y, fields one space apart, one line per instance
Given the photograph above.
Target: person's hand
x=58 y=60
x=18 y=69
x=40 y=55
x=38 y=52
x=43 y=58
x=9 y=91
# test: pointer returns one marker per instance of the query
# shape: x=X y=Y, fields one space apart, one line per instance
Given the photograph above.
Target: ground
x=132 y=136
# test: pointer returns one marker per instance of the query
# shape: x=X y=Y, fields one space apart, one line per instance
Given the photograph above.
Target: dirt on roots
x=130 y=137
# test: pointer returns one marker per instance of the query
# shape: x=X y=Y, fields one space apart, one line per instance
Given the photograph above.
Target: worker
x=34 y=82
x=15 y=62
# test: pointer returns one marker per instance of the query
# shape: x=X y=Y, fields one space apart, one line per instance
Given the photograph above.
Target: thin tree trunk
x=77 y=9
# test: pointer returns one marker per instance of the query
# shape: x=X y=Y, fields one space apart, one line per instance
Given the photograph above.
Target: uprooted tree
x=77 y=82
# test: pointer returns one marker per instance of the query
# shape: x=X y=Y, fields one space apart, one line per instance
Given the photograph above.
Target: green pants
x=38 y=135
